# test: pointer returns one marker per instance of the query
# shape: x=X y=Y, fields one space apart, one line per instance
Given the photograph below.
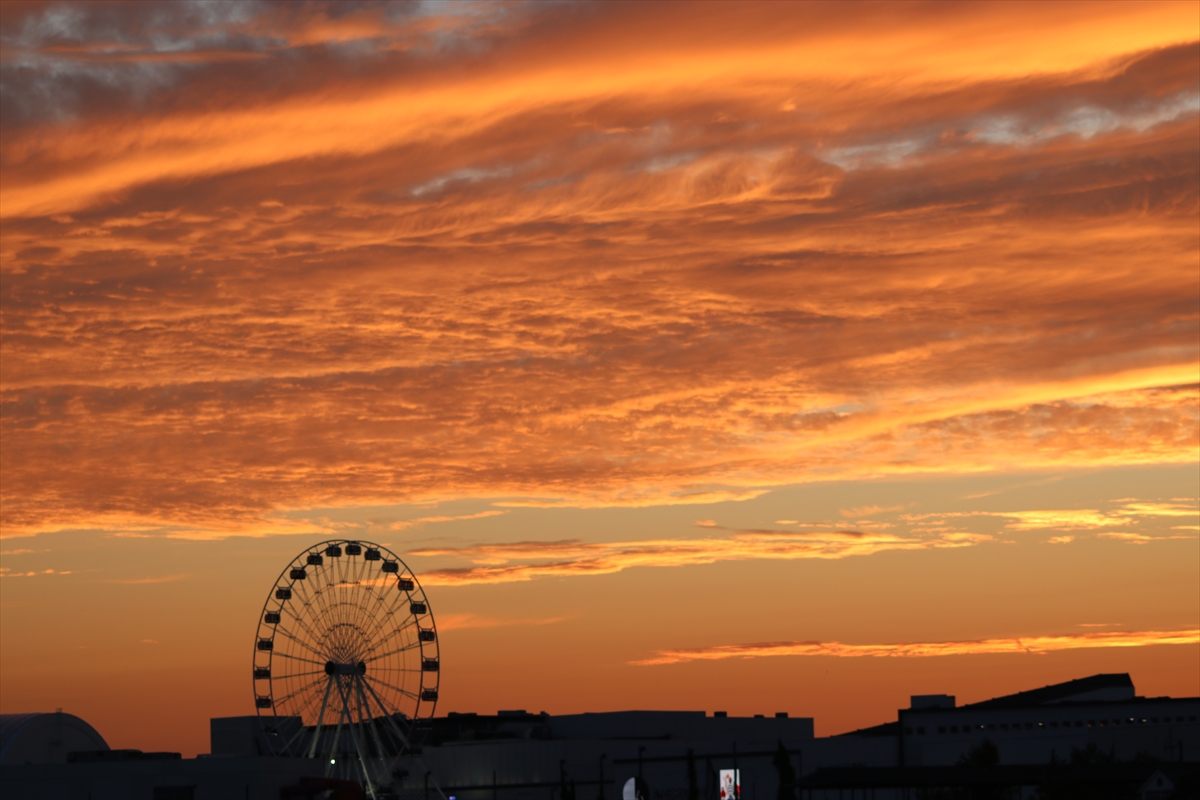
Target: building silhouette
x=1092 y=737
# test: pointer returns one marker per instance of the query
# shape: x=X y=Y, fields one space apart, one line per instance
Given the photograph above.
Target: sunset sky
x=752 y=357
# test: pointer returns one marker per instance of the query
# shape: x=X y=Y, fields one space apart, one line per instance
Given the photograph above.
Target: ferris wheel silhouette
x=346 y=660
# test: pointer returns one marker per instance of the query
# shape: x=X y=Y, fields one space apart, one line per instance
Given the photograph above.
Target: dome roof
x=45 y=738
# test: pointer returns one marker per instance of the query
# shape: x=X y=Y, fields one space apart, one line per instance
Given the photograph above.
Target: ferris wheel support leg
x=337 y=735
x=362 y=761
x=363 y=702
x=312 y=749
x=287 y=747
x=403 y=739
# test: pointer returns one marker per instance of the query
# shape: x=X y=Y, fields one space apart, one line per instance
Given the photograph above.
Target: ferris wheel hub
x=334 y=668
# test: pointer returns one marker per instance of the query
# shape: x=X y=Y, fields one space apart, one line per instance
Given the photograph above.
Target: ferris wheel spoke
x=404 y=649
x=345 y=570
x=308 y=629
x=297 y=674
x=307 y=704
x=354 y=612
x=411 y=621
x=312 y=748
x=315 y=635
x=289 y=635
x=383 y=619
x=386 y=616
x=362 y=598
x=403 y=740
x=327 y=599
x=286 y=632
x=398 y=633
x=379 y=617
x=310 y=599
x=398 y=601
x=281 y=654
x=322 y=581
x=287 y=746
x=381 y=681
x=298 y=712
x=305 y=608
x=363 y=616
x=346 y=589
x=368 y=611
x=303 y=688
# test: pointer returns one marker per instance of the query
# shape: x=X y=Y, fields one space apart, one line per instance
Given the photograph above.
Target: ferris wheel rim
x=340 y=643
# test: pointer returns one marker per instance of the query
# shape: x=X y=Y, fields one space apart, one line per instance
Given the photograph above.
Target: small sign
x=635 y=789
x=731 y=784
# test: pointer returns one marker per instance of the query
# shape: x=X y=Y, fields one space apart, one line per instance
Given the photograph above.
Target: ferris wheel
x=346 y=660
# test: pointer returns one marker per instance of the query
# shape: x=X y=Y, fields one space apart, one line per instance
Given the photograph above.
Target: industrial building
x=1094 y=729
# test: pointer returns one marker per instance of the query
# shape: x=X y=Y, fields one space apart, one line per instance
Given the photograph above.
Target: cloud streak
x=1025 y=644
x=143 y=581
x=524 y=561
x=1128 y=513
x=411 y=523
x=448 y=622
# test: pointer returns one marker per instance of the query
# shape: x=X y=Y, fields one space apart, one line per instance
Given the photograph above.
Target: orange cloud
x=572 y=557
x=584 y=256
x=1138 y=538
x=449 y=622
x=6 y=572
x=1130 y=512
x=1061 y=520
x=141 y=581
x=1026 y=644
x=868 y=511
x=410 y=523
x=641 y=499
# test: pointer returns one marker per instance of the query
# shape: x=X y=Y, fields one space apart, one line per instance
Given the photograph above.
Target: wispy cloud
x=523 y=561
x=1062 y=520
x=868 y=511
x=450 y=622
x=641 y=499
x=1152 y=509
x=1127 y=514
x=412 y=523
x=1139 y=538
x=140 y=581
x=1024 y=644
x=6 y=572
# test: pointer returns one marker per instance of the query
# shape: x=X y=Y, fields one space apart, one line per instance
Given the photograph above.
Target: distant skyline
x=744 y=356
